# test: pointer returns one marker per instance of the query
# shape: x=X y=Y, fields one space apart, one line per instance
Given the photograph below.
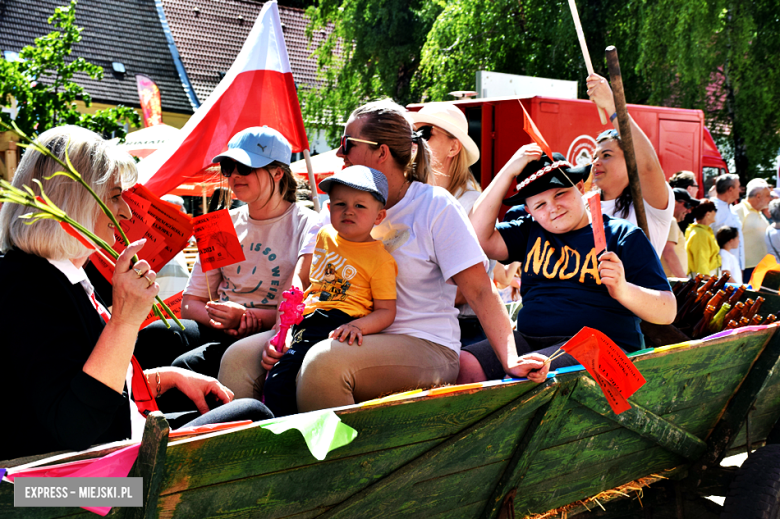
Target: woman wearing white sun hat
x=445 y=127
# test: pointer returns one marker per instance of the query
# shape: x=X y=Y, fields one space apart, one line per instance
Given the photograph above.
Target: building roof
x=127 y=31
x=209 y=36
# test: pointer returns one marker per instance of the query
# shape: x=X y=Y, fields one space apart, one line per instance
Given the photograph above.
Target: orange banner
x=533 y=132
x=597 y=221
x=218 y=243
x=608 y=365
x=149 y=95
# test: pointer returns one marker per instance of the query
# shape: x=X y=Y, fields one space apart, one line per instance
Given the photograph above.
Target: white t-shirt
x=467 y=200
x=431 y=239
x=730 y=262
x=658 y=220
x=271 y=248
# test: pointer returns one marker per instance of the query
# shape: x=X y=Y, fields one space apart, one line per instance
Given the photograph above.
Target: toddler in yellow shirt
x=352 y=277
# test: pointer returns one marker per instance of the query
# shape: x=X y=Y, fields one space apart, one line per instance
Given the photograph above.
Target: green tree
x=41 y=82
x=373 y=52
x=720 y=56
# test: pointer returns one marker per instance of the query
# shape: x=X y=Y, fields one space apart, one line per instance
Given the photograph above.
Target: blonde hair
x=386 y=122
x=97 y=161
x=461 y=177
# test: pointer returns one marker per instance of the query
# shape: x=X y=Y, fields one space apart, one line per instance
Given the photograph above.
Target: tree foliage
x=41 y=82
x=719 y=56
x=378 y=44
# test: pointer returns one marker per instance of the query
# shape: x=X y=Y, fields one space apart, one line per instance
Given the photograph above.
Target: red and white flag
x=257 y=90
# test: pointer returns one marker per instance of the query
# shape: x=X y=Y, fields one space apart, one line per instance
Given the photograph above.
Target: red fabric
x=255 y=98
x=594 y=204
x=218 y=243
x=142 y=393
x=533 y=132
x=608 y=365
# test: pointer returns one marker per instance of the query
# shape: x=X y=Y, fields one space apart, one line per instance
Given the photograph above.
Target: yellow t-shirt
x=348 y=276
x=703 y=251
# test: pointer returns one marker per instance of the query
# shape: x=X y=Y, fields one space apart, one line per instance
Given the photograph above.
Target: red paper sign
x=608 y=365
x=533 y=132
x=218 y=243
x=173 y=302
x=166 y=229
x=597 y=221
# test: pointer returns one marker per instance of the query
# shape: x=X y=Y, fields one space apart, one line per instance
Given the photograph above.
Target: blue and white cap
x=361 y=178
x=257 y=147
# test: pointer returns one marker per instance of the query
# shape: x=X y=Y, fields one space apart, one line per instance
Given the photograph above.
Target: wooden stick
x=208 y=285
x=624 y=127
x=585 y=54
x=557 y=353
x=312 y=183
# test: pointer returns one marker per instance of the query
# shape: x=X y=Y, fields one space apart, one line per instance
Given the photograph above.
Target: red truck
x=570 y=126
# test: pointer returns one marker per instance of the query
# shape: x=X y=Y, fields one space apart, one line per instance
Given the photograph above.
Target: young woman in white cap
x=241 y=299
x=445 y=128
x=435 y=249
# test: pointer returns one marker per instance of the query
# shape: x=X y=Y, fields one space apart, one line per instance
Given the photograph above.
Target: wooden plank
x=641 y=421
x=542 y=426
x=300 y=490
x=150 y=465
x=254 y=451
x=734 y=415
x=555 y=491
x=427 y=463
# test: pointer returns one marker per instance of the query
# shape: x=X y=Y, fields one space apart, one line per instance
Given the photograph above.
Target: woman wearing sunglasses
x=241 y=299
x=445 y=128
x=435 y=249
x=611 y=176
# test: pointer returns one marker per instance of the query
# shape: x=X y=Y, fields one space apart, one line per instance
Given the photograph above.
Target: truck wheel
x=755 y=491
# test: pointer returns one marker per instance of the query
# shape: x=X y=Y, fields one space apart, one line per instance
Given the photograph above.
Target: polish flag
x=258 y=90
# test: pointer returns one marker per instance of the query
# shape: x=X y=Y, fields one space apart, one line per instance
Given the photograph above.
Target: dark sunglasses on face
x=229 y=166
x=425 y=132
x=346 y=146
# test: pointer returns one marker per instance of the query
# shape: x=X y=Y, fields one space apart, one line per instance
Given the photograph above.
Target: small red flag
x=608 y=365
x=173 y=302
x=597 y=221
x=167 y=230
x=533 y=132
x=218 y=243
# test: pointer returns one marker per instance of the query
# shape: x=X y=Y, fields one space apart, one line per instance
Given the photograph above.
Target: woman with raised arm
x=611 y=176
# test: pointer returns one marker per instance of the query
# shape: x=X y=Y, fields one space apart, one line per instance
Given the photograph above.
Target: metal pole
x=312 y=183
x=624 y=127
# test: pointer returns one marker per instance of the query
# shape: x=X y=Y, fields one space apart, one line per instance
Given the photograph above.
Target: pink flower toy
x=291 y=313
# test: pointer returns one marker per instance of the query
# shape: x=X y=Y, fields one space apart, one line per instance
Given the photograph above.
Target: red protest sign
x=608 y=365
x=218 y=243
x=173 y=302
x=597 y=221
x=166 y=229
x=533 y=132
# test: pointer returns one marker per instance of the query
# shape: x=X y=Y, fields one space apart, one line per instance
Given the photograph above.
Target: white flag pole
x=312 y=183
x=584 y=46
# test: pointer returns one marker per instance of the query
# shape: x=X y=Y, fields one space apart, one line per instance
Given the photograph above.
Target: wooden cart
x=511 y=448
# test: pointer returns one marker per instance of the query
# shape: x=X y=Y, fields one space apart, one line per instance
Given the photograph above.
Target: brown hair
x=701 y=210
x=624 y=200
x=386 y=122
x=287 y=184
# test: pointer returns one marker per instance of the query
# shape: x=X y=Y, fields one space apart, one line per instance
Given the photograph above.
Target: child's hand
x=225 y=315
x=612 y=275
x=521 y=158
x=348 y=331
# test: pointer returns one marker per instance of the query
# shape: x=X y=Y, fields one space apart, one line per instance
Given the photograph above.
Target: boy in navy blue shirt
x=565 y=283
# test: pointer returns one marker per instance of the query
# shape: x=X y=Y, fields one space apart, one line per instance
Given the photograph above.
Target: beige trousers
x=240 y=368
x=336 y=374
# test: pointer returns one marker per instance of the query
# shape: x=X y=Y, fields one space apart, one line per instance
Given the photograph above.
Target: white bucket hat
x=448 y=117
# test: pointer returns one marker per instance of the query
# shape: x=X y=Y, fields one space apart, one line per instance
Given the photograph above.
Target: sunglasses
x=346 y=146
x=425 y=132
x=229 y=166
